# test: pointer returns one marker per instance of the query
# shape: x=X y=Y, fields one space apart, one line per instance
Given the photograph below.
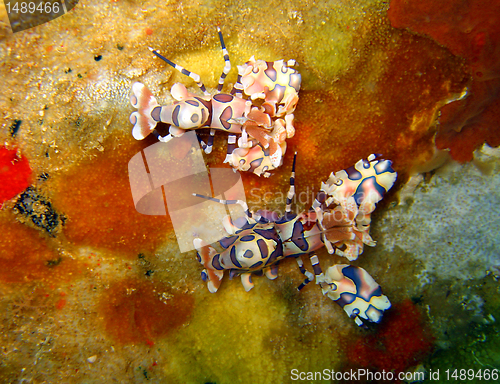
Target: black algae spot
x=15 y=127
x=53 y=262
x=418 y=299
x=147 y=265
x=97 y=57
x=39 y=210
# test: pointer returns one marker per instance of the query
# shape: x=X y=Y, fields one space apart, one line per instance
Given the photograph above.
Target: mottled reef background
x=91 y=291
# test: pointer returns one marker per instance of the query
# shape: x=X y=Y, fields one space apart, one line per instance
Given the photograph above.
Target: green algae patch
x=246 y=337
x=331 y=43
x=209 y=62
x=470 y=329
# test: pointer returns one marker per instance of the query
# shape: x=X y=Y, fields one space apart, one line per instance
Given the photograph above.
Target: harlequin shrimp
x=259 y=109
x=339 y=220
x=272 y=82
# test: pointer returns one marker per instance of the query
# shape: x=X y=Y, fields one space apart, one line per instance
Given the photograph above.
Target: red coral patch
x=401 y=342
x=479 y=117
x=107 y=218
x=15 y=174
x=470 y=29
x=25 y=256
x=136 y=311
